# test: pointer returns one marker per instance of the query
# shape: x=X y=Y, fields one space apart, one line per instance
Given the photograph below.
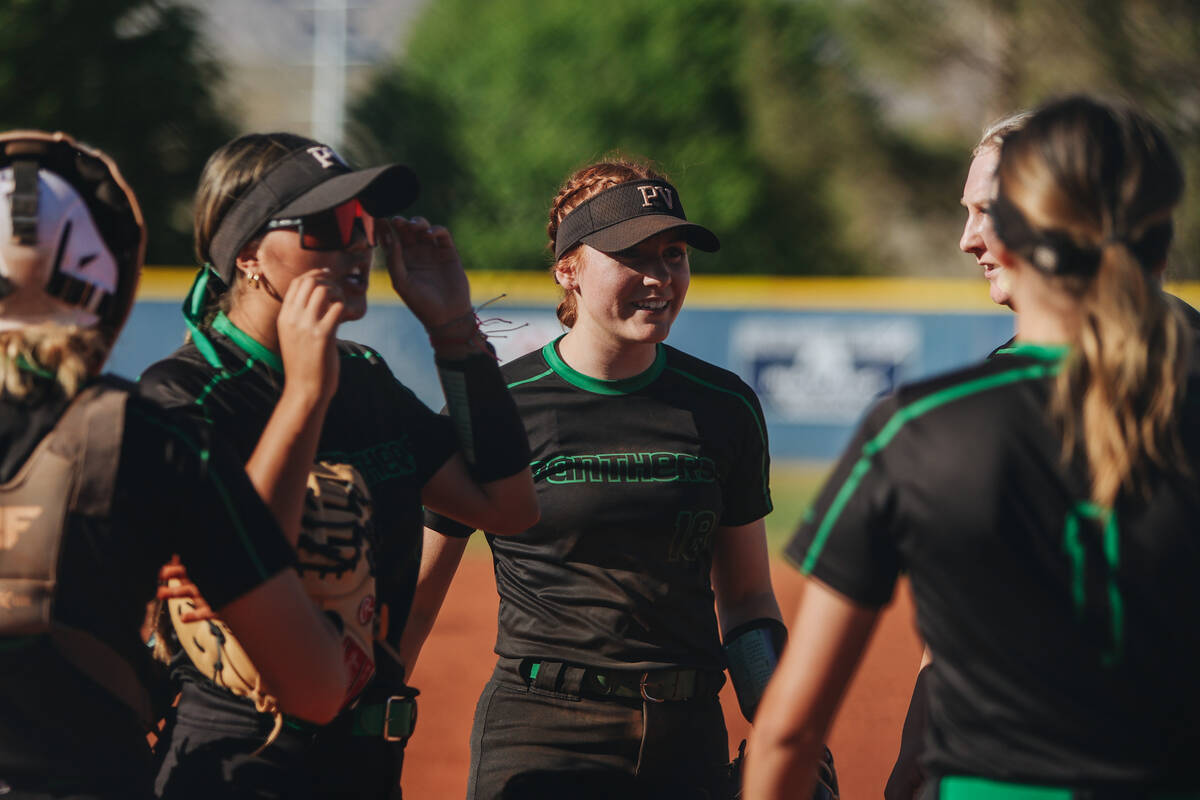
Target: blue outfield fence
x=816 y=350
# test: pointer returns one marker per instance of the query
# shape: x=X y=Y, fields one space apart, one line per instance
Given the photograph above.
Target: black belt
x=394 y=719
x=652 y=686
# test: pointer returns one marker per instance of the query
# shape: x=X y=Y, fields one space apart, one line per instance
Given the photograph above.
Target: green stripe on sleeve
x=892 y=427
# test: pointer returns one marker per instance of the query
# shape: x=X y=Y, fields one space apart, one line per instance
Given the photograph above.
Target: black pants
x=204 y=752
x=529 y=742
x=907 y=776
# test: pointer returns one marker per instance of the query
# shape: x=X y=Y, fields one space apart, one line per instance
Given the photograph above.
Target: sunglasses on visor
x=332 y=229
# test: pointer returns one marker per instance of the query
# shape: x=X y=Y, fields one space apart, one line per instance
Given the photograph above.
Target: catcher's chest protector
x=71 y=471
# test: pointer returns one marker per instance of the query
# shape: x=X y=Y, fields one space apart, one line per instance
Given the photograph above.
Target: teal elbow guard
x=752 y=652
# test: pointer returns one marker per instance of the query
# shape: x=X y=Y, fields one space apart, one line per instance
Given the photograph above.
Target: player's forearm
x=284 y=455
x=780 y=770
x=503 y=507
x=440 y=558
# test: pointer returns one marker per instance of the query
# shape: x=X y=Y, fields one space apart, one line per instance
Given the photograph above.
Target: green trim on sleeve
x=897 y=421
x=758 y=422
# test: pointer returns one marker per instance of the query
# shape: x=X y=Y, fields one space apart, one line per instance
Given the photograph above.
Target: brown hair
x=1099 y=183
x=229 y=173
x=66 y=353
x=584 y=184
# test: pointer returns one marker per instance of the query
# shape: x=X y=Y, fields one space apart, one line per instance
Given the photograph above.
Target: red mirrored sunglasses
x=332 y=229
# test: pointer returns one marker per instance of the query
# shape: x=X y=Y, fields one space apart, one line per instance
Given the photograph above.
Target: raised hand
x=425 y=269
x=307 y=325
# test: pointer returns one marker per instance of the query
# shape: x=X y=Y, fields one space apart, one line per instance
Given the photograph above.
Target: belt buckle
x=642 y=688
x=387 y=718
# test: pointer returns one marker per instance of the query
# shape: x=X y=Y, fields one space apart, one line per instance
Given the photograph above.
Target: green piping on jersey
x=222 y=491
x=598 y=385
x=762 y=434
x=1073 y=546
x=222 y=375
x=531 y=380
x=1042 y=352
x=904 y=415
x=368 y=354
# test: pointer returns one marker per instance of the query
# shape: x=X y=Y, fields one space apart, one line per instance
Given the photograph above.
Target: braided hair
x=585 y=183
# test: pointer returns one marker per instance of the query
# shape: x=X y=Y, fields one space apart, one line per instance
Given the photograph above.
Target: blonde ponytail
x=1119 y=394
x=1085 y=193
x=67 y=355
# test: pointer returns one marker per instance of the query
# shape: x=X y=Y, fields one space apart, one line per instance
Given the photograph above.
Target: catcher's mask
x=72 y=240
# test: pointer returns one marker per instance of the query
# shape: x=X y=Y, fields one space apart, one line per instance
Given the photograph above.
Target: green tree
x=129 y=77
x=496 y=102
x=951 y=66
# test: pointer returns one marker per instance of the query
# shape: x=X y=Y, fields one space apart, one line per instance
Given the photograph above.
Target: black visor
x=304 y=182
x=623 y=215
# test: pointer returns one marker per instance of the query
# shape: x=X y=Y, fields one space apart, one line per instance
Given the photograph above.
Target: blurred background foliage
x=814 y=136
x=130 y=77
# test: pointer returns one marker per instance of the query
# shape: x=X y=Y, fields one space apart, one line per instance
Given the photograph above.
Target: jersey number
x=693 y=534
x=1102 y=549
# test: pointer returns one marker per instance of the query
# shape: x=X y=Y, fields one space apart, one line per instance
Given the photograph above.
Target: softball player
x=651 y=470
x=288 y=230
x=978 y=240
x=99 y=488
x=1043 y=503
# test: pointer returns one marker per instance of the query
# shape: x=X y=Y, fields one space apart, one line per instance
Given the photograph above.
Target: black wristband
x=490 y=433
x=752 y=651
x=447 y=527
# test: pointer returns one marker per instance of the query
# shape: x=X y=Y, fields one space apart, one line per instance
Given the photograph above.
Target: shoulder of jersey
x=185 y=368
x=522 y=368
x=349 y=349
x=141 y=404
x=699 y=370
x=972 y=380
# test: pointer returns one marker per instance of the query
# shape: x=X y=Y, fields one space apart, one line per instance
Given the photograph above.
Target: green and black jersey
x=1063 y=634
x=176 y=489
x=374 y=423
x=633 y=477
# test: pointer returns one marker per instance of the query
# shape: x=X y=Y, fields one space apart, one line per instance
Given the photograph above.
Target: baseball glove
x=827 y=783
x=336 y=565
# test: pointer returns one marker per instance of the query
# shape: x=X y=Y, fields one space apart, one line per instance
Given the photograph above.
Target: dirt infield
x=458 y=659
